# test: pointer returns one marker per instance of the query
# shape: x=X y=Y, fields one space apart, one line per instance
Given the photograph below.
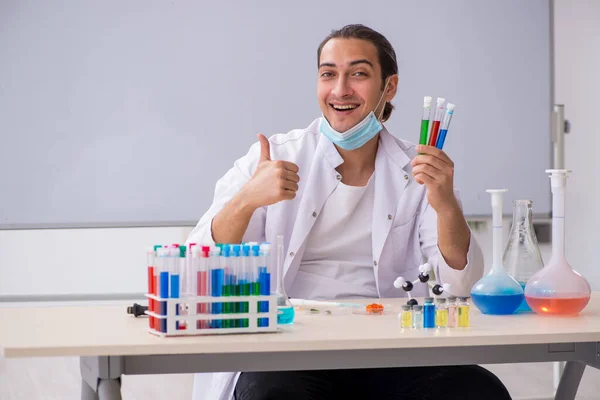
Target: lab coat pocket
x=405 y=244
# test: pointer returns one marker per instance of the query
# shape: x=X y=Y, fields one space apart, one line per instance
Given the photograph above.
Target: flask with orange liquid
x=557 y=289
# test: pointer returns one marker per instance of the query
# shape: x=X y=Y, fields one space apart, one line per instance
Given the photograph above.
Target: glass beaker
x=497 y=293
x=557 y=289
x=285 y=309
x=522 y=256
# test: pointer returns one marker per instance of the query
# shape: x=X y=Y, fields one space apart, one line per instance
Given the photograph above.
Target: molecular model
x=424 y=270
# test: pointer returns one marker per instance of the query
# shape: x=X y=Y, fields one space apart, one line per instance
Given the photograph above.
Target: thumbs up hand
x=273 y=181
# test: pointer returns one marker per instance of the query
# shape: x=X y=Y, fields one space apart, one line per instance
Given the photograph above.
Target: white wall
x=78 y=261
x=102 y=261
x=577 y=77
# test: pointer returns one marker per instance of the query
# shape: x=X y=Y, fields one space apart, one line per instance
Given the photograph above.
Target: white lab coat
x=404 y=230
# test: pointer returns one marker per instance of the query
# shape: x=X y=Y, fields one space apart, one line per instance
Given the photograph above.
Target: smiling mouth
x=344 y=108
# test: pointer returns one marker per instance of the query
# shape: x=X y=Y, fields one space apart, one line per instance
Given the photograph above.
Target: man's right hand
x=273 y=181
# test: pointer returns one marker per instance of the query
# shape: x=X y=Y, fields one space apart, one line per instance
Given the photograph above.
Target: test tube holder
x=182 y=312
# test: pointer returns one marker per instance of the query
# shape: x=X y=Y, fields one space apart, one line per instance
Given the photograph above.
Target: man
x=357 y=208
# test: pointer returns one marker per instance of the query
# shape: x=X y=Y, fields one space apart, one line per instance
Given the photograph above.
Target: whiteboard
x=118 y=113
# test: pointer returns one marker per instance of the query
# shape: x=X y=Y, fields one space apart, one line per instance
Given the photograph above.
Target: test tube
x=441 y=313
x=406 y=317
x=445 y=125
x=245 y=281
x=235 y=288
x=428 y=313
x=174 y=261
x=163 y=283
x=463 y=312
x=265 y=278
x=205 y=283
x=150 y=265
x=227 y=270
x=184 y=287
x=216 y=283
x=439 y=113
x=191 y=268
x=452 y=314
x=155 y=286
x=425 y=120
x=255 y=265
x=417 y=316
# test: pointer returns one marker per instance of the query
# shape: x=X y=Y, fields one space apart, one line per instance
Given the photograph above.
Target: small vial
x=441 y=313
x=463 y=312
x=452 y=314
x=406 y=318
x=417 y=316
x=429 y=313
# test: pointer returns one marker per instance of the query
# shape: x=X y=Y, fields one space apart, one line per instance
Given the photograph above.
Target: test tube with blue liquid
x=217 y=278
x=235 y=288
x=163 y=284
x=445 y=126
x=265 y=280
x=226 y=292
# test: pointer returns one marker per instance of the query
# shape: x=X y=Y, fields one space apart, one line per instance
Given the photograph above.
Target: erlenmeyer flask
x=497 y=292
x=557 y=289
x=522 y=257
x=285 y=309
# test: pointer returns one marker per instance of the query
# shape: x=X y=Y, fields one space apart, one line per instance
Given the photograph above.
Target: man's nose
x=342 y=88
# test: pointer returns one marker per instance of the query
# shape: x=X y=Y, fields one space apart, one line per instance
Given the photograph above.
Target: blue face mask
x=359 y=134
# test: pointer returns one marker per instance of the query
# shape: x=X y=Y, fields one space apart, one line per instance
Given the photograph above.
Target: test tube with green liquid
x=425 y=120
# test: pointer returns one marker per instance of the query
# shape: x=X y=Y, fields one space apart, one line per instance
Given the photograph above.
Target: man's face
x=349 y=83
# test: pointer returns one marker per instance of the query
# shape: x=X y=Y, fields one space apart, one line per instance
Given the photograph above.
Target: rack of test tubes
x=197 y=290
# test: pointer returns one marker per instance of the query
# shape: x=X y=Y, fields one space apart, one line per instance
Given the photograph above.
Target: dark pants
x=469 y=382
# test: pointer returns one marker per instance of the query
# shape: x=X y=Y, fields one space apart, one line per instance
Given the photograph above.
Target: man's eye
x=326 y=75
x=359 y=73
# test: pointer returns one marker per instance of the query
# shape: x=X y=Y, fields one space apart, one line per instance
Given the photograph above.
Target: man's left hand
x=433 y=168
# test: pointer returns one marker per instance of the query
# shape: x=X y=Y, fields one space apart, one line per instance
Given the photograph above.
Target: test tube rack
x=182 y=318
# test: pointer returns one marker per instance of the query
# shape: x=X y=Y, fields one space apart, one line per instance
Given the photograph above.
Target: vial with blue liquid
x=497 y=293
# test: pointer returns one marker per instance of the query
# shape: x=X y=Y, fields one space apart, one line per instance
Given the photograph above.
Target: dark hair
x=385 y=52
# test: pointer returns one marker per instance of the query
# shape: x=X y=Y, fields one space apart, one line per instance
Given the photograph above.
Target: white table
x=112 y=343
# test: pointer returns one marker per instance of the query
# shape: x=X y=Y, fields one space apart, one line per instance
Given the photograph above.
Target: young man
x=357 y=208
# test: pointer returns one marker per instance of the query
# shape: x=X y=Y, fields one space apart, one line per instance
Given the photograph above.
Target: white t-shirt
x=339 y=248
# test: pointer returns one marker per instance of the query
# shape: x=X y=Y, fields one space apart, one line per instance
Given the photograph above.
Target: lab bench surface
x=112 y=343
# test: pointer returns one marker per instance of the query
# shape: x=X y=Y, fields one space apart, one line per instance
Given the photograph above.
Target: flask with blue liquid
x=497 y=293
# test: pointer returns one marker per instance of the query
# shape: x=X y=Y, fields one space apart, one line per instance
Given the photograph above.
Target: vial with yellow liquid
x=441 y=313
x=406 y=317
x=463 y=312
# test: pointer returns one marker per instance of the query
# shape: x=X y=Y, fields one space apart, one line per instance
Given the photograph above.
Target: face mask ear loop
x=381 y=98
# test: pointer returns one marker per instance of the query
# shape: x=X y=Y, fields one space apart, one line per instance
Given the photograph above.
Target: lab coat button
x=375 y=263
x=390 y=217
x=338 y=177
x=314 y=214
x=292 y=254
x=405 y=177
